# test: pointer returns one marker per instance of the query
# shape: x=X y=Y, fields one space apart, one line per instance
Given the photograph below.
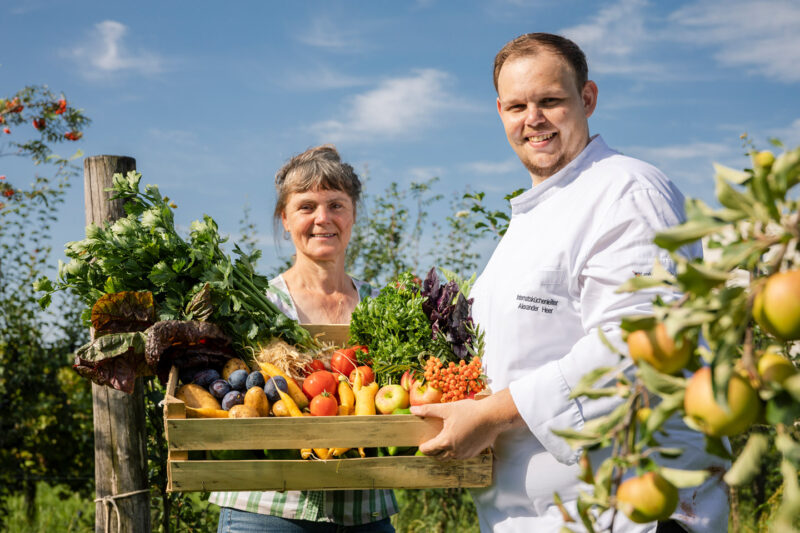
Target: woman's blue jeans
x=236 y=521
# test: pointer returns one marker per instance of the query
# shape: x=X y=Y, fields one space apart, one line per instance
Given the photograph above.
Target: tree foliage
x=45 y=429
x=755 y=234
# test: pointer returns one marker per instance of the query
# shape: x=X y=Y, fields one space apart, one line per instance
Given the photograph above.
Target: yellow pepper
x=347 y=399
x=365 y=396
x=347 y=402
x=365 y=400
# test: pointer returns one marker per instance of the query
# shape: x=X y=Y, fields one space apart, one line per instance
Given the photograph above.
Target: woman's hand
x=470 y=426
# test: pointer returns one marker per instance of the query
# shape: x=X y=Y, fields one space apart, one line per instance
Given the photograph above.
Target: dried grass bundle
x=285 y=356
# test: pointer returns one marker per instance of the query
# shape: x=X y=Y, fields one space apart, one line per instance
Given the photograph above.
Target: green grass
x=429 y=511
x=435 y=511
x=55 y=511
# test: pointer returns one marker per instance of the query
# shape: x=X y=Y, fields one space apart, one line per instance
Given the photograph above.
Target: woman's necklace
x=333 y=311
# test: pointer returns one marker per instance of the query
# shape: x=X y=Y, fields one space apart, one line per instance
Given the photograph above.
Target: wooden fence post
x=120 y=434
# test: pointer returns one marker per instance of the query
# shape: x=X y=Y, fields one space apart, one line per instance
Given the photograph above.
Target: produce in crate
x=391 y=397
x=272 y=386
x=188 y=279
x=408 y=327
x=197 y=397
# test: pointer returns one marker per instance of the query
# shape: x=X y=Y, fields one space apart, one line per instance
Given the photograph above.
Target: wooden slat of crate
x=295 y=433
x=414 y=472
x=327 y=333
x=372 y=472
x=173 y=409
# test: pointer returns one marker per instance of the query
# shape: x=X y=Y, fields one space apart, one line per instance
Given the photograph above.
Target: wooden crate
x=410 y=472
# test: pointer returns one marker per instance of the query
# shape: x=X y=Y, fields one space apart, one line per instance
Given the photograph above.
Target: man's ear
x=589 y=98
x=498 y=105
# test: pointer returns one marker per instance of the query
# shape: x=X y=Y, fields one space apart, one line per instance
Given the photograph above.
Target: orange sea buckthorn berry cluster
x=456 y=381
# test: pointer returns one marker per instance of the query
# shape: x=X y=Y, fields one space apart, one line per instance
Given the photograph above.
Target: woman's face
x=320 y=222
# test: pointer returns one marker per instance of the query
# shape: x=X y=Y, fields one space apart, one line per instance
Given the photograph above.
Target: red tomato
x=313 y=366
x=319 y=382
x=367 y=375
x=323 y=404
x=344 y=361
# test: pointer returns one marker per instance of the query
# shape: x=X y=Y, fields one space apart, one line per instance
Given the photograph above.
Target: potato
x=233 y=365
x=242 y=411
x=279 y=409
x=257 y=399
x=197 y=397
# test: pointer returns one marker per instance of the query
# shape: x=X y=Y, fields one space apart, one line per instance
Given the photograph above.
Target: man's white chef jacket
x=548 y=288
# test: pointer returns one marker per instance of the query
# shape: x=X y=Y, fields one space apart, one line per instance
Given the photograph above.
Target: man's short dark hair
x=533 y=43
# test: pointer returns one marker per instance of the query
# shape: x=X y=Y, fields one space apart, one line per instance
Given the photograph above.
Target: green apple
x=715 y=420
x=774 y=367
x=647 y=498
x=659 y=350
x=776 y=306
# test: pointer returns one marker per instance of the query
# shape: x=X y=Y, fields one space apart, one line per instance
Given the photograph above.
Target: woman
x=317 y=197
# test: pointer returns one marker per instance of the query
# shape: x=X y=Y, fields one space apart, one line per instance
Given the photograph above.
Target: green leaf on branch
x=658 y=277
x=730 y=175
x=660 y=383
x=786 y=169
x=668 y=405
x=607 y=343
x=673 y=238
x=584 y=505
x=714 y=445
x=684 y=478
x=790 y=501
x=792 y=386
x=741 y=255
x=782 y=409
x=560 y=504
x=697 y=209
x=635 y=323
x=669 y=453
x=789 y=447
x=748 y=464
x=738 y=201
x=699 y=279
x=602 y=479
x=588 y=380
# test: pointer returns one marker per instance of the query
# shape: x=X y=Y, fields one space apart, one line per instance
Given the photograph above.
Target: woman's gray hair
x=318 y=168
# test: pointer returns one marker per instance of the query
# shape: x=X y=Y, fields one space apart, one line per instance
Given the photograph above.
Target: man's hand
x=470 y=426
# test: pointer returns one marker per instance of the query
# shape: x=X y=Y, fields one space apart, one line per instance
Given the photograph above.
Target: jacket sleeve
x=621 y=247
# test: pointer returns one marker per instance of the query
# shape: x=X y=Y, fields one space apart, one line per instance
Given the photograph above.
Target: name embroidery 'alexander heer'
x=535 y=303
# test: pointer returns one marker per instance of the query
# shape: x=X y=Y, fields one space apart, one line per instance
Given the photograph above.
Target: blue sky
x=211 y=97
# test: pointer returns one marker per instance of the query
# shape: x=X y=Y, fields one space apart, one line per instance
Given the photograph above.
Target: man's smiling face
x=544 y=113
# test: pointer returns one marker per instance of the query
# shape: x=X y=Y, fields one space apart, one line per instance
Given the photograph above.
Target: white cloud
x=399 y=108
x=613 y=40
x=105 y=52
x=325 y=33
x=493 y=167
x=761 y=36
x=322 y=78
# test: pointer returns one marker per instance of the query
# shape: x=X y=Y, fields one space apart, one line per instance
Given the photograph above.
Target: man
x=585 y=227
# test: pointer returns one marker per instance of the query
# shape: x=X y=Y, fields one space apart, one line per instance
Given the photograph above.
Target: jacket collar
x=594 y=151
